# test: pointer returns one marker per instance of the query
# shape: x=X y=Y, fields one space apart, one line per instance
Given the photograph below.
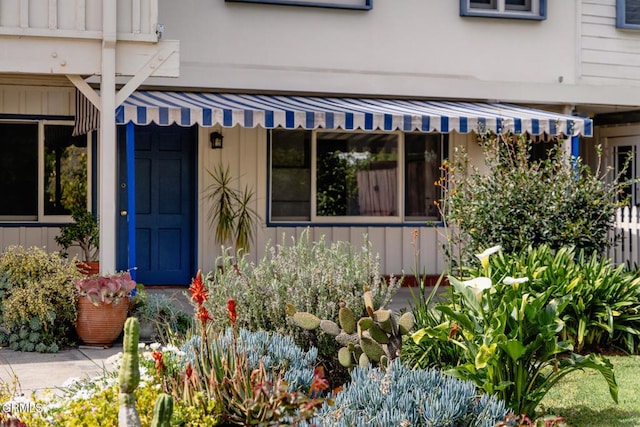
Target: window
x=341 y=177
x=35 y=186
x=518 y=9
x=628 y=14
x=333 y=4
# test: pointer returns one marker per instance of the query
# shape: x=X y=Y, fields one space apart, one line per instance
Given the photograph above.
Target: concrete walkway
x=36 y=372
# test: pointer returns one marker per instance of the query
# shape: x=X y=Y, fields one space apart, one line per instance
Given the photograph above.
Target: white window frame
x=315 y=219
x=41 y=217
x=499 y=10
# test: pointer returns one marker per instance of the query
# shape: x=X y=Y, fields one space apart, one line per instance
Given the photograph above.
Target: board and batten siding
x=37 y=101
x=608 y=55
x=27 y=237
x=245 y=151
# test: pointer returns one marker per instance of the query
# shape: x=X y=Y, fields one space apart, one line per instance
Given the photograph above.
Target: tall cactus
x=162 y=411
x=129 y=375
x=376 y=338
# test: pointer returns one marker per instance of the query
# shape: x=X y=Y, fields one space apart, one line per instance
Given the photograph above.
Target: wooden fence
x=627 y=237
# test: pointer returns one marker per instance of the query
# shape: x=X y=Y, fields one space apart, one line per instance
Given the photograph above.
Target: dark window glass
x=484 y=4
x=65 y=170
x=19 y=171
x=290 y=175
x=518 y=5
x=626 y=156
x=632 y=12
x=357 y=174
x=423 y=158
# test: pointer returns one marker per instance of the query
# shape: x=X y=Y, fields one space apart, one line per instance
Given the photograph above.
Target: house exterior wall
x=409 y=48
x=245 y=151
x=412 y=48
x=608 y=55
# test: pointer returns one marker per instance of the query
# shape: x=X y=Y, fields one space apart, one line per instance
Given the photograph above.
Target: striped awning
x=302 y=112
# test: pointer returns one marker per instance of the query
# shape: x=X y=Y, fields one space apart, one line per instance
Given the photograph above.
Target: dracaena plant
x=510 y=341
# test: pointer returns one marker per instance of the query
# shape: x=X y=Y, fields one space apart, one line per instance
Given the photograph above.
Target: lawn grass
x=583 y=398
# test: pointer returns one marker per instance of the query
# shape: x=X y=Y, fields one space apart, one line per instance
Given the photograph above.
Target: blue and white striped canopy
x=302 y=112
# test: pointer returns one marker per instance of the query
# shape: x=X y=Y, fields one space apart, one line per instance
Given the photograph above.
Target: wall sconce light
x=216 y=140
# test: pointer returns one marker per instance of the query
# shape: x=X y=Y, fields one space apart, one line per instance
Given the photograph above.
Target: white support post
x=107 y=162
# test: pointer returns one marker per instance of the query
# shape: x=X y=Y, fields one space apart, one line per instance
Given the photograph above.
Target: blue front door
x=165 y=190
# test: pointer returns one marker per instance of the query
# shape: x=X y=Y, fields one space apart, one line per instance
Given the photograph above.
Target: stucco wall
x=399 y=48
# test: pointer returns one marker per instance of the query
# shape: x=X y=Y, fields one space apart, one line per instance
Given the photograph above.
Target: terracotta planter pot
x=100 y=325
x=88 y=268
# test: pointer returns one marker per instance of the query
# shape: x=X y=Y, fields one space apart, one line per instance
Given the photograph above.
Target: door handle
x=123 y=213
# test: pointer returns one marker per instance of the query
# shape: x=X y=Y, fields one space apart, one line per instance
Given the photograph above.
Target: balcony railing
x=137 y=20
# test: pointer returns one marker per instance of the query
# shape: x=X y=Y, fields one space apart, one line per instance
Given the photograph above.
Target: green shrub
x=313 y=276
x=399 y=396
x=604 y=309
x=37 y=299
x=520 y=202
x=162 y=313
x=509 y=338
x=429 y=353
x=91 y=404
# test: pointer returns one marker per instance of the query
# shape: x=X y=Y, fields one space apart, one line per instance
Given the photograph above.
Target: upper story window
x=354 y=177
x=628 y=14
x=43 y=170
x=333 y=4
x=513 y=9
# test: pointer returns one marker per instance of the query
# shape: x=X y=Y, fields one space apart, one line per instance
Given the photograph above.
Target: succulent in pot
x=106 y=289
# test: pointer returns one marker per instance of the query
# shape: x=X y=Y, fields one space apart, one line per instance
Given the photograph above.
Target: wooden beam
x=86 y=90
x=83 y=56
x=144 y=72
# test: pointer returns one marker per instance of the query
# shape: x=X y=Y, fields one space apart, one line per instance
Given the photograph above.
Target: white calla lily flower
x=484 y=256
x=478 y=284
x=513 y=281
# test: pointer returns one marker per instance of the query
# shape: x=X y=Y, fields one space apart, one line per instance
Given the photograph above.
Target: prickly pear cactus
x=162 y=411
x=375 y=338
x=129 y=375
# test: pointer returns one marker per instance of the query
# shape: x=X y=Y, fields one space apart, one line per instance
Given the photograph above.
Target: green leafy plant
x=83 y=232
x=314 y=276
x=37 y=299
x=231 y=214
x=510 y=340
x=520 y=202
x=160 y=314
x=604 y=309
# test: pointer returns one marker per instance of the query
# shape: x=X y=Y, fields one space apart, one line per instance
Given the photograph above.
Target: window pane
x=65 y=170
x=357 y=174
x=290 y=175
x=423 y=158
x=621 y=158
x=19 y=171
x=518 y=5
x=632 y=12
x=484 y=4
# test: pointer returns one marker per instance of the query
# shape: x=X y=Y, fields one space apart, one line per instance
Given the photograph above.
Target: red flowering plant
x=106 y=289
x=219 y=380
